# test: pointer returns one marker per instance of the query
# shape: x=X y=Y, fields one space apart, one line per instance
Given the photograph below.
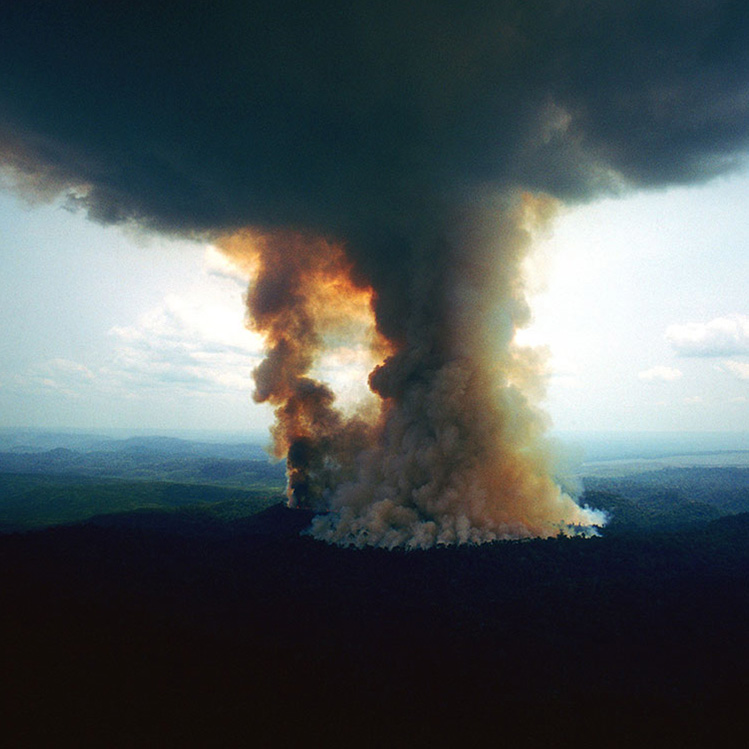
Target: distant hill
x=41 y=487
x=154 y=459
x=30 y=501
x=30 y=441
x=669 y=496
x=62 y=484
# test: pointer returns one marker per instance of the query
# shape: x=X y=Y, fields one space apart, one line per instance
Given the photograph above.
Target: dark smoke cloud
x=404 y=151
x=331 y=114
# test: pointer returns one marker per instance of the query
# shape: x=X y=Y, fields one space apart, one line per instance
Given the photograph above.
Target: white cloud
x=664 y=374
x=198 y=343
x=70 y=368
x=200 y=323
x=723 y=336
x=62 y=376
x=216 y=263
x=192 y=344
x=739 y=369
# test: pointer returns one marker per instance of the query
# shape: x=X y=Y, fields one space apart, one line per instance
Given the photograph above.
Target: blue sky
x=644 y=310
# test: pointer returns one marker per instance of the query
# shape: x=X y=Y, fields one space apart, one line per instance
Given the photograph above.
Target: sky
x=109 y=329
x=641 y=301
x=402 y=130
x=646 y=311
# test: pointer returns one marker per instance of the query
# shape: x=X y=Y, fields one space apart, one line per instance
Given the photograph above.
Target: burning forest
x=452 y=451
x=380 y=171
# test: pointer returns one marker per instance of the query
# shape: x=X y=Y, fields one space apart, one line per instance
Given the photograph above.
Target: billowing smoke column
x=301 y=299
x=393 y=157
x=459 y=456
x=454 y=453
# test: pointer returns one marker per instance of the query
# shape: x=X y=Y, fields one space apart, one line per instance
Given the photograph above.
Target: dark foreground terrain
x=154 y=593
x=188 y=629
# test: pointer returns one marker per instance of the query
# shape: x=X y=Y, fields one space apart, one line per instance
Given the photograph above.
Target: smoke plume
x=381 y=169
x=303 y=301
x=455 y=451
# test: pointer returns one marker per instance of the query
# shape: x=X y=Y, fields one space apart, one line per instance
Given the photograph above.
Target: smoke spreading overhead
x=381 y=170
